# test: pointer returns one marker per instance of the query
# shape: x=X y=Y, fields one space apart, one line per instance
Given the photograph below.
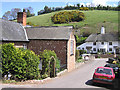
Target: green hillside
x=94 y=20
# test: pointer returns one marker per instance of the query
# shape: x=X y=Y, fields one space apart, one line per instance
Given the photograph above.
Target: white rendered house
x=103 y=42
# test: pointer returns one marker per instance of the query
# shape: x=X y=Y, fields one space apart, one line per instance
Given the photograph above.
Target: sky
x=37 y=5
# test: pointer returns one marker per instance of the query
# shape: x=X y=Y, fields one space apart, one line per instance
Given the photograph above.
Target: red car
x=104 y=75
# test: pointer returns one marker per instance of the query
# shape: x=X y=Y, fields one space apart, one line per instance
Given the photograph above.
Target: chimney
x=102 y=30
x=21 y=17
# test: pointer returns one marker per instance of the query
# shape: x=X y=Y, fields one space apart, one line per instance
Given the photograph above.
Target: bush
x=86 y=34
x=45 y=57
x=82 y=52
x=67 y=16
x=84 y=8
x=21 y=64
x=77 y=54
x=79 y=59
x=80 y=40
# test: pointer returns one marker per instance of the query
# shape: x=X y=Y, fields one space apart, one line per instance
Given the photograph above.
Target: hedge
x=67 y=16
x=22 y=64
x=45 y=57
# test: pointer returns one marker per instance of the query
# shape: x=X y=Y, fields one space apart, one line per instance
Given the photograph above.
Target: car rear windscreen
x=104 y=71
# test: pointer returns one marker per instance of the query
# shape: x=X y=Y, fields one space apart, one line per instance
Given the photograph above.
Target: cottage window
x=102 y=43
x=94 y=49
x=24 y=46
x=110 y=43
x=110 y=49
x=94 y=43
x=72 y=48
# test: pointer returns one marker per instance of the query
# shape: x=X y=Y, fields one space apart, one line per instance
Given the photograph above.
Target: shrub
x=80 y=40
x=82 y=52
x=79 y=59
x=67 y=16
x=21 y=64
x=77 y=54
x=86 y=34
x=84 y=8
x=45 y=57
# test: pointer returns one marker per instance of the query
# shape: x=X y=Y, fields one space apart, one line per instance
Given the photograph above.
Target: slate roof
x=12 y=31
x=59 y=33
x=102 y=37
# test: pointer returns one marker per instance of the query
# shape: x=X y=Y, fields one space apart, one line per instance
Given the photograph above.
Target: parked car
x=110 y=60
x=104 y=75
x=86 y=56
x=114 y=66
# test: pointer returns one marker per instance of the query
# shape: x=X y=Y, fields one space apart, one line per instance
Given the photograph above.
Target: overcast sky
x=7 y=5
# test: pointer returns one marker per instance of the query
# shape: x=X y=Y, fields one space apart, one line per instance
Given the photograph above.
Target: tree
x=7 y=16
x=78 y=5
x=11 y=15
x=29 y=11
x=14 y=12
x=82 y=6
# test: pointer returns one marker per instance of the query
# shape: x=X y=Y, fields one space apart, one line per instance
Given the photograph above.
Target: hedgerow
x=22 y=64
x=67 y=16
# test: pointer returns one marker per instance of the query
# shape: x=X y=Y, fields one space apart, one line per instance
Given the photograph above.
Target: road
x=79 y=78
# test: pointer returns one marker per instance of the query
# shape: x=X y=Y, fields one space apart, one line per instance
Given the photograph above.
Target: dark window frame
x=110 y=49
x=94 y=49
x=110 y=43
x=94 y=43
x=102 y=43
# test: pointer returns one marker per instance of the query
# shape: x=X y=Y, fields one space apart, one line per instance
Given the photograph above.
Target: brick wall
x=59 y=46
x=16 y=43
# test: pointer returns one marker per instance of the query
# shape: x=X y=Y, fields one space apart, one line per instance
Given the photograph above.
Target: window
x=72 y=47
x=102 y=43
x=110 y=49
x=94 y=49
x=94 y=43
x=24 y=46
x=110 y=43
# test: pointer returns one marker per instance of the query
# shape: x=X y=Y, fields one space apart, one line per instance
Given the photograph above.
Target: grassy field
x=94 y=20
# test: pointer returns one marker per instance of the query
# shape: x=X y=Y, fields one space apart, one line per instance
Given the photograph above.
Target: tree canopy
x=12 y=14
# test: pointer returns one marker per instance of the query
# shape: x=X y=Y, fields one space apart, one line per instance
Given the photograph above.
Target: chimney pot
x=102 y=30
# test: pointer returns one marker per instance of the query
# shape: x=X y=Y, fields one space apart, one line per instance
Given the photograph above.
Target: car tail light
x=111 y=78
x=95 y=76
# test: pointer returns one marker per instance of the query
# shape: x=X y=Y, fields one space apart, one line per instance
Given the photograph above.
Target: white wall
x=98 y=45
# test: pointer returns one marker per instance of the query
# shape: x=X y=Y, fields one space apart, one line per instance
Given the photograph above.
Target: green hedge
x=21 y=64
x=84 y=8
x=68 y=16
x=45 y=57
